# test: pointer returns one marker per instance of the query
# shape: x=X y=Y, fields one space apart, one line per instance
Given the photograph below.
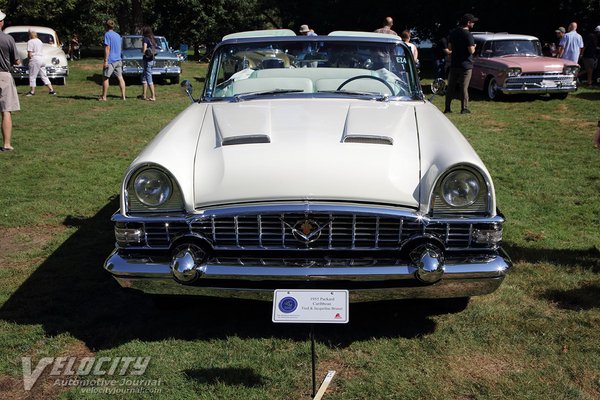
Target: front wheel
x=491 y=90
x=174 y=80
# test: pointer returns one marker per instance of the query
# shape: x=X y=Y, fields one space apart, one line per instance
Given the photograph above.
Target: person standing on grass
x=37 y=66
x=149 y=47
x=9 y=99
x=112 y=60
x=571 y=44
x=462 y=45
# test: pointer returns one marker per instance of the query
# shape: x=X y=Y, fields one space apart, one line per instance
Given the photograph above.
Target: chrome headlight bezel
x=513 y=72
x=571 y=70
x=462 y=177
x=168 y=197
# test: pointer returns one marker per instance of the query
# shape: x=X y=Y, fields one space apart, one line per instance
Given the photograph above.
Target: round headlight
x=55 y=61
x=460 y=188
x=152 y=187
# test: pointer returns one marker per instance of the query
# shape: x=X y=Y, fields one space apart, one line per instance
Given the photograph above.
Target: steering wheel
x=347 y=81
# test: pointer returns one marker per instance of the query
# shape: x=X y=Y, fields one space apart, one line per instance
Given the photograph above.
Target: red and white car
x=507 y=63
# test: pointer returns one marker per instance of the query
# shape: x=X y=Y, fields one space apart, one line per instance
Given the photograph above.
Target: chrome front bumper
x=539 y=84
x=460 y=278
x=51 y=71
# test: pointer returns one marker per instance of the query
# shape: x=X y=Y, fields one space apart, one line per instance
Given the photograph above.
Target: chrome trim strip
x=302 y=208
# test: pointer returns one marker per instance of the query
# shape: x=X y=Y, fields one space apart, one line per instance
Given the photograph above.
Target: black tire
x=174 y=81
x=491 y=90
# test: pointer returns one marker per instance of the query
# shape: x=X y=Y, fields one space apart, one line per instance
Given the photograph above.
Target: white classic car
x=57 y=67
x=309 y=162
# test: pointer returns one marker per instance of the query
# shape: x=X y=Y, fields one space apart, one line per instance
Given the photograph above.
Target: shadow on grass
x=229 y=376
x=588 y=95
x=129 y=81
x=588 y=259
x=71 y=293
x=583 y=298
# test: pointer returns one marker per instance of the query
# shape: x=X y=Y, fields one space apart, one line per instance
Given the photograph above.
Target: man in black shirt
x=462 y=45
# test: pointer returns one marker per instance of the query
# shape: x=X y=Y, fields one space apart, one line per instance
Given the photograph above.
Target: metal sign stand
x=312 y=307
x=314 y=360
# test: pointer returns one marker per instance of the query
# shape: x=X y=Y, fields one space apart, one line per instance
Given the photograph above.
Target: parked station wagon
x=309 y=162
x=167 y=65
x=57 y=67
x=513 y=64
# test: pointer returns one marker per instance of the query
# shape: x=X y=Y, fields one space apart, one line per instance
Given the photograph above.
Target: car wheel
x=491 y=89
x=174 y=80
x=559 y=96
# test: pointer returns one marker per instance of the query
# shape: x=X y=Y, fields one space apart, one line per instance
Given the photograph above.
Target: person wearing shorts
x=9 y=99
x=113 y=66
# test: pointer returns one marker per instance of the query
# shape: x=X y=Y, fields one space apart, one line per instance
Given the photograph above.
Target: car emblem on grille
x=306 y=231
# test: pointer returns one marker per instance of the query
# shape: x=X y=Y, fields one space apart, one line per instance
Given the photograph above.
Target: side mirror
x=186 y=85
x=438 y=86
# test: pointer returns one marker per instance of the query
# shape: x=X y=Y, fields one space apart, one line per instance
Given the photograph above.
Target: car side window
x=486 y=49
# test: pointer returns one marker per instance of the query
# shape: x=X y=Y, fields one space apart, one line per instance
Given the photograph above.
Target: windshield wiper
x=371 y=95
x=242 y=96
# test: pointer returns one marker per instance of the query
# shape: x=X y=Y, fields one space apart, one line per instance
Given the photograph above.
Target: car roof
x=27 y=28
x=502 y=36
x=289 y=35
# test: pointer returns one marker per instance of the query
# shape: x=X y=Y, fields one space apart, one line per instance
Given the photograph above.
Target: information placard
x=310 y=306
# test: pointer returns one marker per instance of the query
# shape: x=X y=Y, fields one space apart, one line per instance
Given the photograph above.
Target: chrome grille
x=338 y=232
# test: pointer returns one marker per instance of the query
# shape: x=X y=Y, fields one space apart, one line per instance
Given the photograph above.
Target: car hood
x=303 y=151
x=49 y=51
x=533 y=64
x=301 y=154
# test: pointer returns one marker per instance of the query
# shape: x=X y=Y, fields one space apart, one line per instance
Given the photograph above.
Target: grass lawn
x=536 y=337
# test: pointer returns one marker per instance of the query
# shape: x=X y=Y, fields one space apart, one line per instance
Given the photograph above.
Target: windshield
x=23 y=37
x=327 y=67
x=501 y=48
x=135 y=42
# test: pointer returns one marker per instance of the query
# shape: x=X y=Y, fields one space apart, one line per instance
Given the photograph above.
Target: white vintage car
x=309 y=162
x=57 y=67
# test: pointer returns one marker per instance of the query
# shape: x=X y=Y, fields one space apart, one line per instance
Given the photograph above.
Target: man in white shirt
x=571 y=44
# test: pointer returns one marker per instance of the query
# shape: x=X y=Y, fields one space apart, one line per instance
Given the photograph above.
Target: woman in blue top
x=149 y=43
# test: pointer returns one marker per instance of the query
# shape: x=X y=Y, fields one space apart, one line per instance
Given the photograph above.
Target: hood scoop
x=368 y=139
x=248 y=139
x=248 y=125
x=359 y=126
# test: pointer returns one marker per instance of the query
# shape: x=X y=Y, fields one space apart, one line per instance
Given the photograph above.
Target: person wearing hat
x=589 y=55
x=304 y=30
x=462 y=44
x=559 y=32
x=9 y=99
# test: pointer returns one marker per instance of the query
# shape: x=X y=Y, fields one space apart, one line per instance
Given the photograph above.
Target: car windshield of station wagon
x=500 y=48
x=321 y=68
